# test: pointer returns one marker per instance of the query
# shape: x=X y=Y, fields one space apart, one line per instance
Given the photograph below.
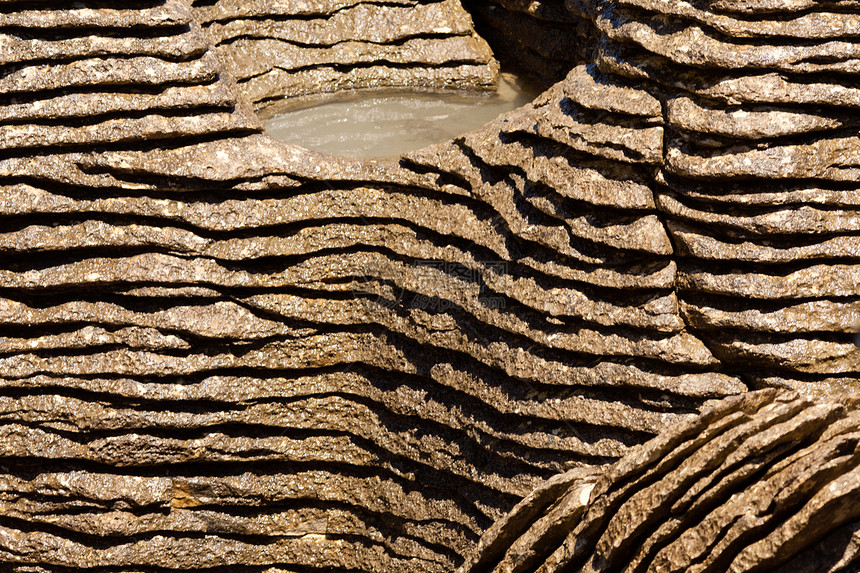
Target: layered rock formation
x=759 y=180
x=761 y=482
x=292 y=48
x=220 y=351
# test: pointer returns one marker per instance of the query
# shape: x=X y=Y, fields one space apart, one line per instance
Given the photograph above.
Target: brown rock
x=692 y=45
x=816 y=281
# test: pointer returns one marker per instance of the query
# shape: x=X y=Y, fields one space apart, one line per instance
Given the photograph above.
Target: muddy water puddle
x=390 y=122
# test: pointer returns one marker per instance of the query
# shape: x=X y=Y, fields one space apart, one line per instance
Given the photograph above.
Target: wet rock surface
x=221 y=351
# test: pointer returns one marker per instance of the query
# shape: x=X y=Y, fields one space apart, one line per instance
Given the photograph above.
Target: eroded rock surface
x=220 y=351
x=762 y=481
x=758 y=173
x=293 y=48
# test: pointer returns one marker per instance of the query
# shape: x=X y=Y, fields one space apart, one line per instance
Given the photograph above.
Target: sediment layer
x=289 y=49
x=760 y=481
x=222 y=351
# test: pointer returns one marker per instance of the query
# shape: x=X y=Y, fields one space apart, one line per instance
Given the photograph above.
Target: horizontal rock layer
x=287 y=49
x=219 y=351
x=758 y=175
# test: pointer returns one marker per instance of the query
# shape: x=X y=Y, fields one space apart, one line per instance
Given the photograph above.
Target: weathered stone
x=585 y=87
x=828 y=158
x=220 y=351
x=814 y=387
x=121 y=72
x=125 y=130
x=810 y=355
x=180 y=46
x=756 y=87
x=593 y=181
x=696 y=241
x=741 y=194
x=813 y=316
x=694 y=507
x=225 y=10
x=221 y=94
x=816 y=25
x=565 y=123
x=497 y=540
x=691 y=45
x=293 y=48
x=816 y=281
x=278 y=83
x=161 y=15
x=361 y=22
x=777 y=7
x=249 y=58
x=754 y=123
x=802 y=221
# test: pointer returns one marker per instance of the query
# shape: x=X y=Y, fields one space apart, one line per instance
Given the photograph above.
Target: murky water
x=388 y=123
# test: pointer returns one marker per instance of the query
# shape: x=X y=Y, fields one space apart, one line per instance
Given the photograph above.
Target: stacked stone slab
x=587 y=262
x=767 y=481
x=759 y=180
x=291 y=48
x=221 y=351
x=541 y=39
x=176 y=392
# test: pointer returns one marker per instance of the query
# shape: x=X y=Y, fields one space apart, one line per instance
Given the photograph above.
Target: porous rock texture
x=291 y=48
x=223 y=353
x=765 y=481
x=759 y=177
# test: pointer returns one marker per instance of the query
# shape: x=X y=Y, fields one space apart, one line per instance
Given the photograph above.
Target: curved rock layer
x=766 y=481
x=220 y=351
x=294 y=47
x=758 y=183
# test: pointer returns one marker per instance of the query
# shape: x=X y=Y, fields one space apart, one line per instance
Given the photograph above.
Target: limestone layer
x=758 y=175
x=291 y=48
x=220 y=352
x=761 y=482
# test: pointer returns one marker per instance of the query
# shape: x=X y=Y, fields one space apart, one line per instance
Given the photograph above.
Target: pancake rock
x=759 y=171
x=764 y=481
x=293 y=48
x=223 y=352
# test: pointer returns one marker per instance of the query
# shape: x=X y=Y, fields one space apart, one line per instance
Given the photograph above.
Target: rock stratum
x=224 y=353
x=764 y=481
x=299 y=47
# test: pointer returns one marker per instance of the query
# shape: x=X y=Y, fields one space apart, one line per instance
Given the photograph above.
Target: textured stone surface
x=287 y=49
x=762 y=480
x=222 y=352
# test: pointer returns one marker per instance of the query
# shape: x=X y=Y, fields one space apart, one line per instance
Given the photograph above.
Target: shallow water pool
x=388 y=123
